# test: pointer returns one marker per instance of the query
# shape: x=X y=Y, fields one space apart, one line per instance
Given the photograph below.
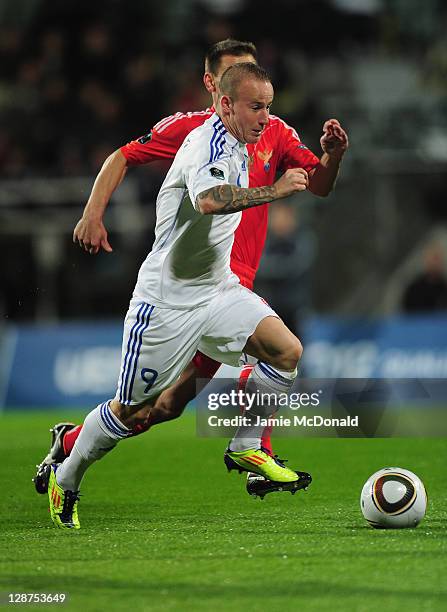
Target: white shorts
x=158 y=343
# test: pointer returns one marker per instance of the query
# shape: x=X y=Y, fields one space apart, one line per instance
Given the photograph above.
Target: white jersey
x=190 y=259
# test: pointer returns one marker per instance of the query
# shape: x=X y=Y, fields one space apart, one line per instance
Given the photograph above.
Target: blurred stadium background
x=360 y=275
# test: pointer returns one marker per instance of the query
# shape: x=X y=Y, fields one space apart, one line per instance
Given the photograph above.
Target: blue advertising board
x=397 y=347
x=60 y=365
x=77 y=364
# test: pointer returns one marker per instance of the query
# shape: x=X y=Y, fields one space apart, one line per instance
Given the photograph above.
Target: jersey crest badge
x=265 y=156
x=217 y=173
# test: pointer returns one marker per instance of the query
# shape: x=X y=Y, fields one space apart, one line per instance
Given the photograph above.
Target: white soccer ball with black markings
x=393 y=498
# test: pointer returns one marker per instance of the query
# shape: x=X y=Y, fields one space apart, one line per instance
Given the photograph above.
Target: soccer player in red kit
x=278 y=149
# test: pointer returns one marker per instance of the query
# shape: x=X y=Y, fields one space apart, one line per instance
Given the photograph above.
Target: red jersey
x=279 y=148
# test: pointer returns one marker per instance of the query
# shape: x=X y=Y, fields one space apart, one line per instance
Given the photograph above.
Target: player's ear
x=208 y=81
x=226 y=104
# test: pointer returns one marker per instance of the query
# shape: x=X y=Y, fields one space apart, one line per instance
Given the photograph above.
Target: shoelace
x=274 y=457
x=280 y=461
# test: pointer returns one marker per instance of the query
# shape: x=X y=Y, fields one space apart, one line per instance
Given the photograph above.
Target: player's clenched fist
x=334 y=141
x=91 y=235
x=292 y=180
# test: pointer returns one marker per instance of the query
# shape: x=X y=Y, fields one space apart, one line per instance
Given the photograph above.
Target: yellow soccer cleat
x=63 y=504
x=256 y=460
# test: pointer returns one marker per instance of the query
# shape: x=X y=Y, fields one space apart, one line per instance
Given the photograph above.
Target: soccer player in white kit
x=186 y=297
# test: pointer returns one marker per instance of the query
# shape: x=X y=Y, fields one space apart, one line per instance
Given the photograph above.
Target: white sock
x=100 y=433
x=263 y=379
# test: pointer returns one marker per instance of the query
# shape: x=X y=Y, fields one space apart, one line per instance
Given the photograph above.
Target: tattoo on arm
x=231 y=199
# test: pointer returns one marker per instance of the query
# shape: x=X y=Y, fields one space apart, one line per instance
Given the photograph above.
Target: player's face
x=250 y=110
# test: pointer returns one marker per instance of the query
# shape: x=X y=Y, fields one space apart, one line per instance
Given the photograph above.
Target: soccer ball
x=393 y=498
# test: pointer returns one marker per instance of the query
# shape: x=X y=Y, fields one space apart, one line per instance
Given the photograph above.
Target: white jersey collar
x=216 y=122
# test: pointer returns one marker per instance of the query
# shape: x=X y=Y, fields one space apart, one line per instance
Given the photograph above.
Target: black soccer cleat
x=257 y=486
x=56 y=454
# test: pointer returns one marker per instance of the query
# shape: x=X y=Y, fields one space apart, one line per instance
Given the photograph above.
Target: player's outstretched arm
x=227 y=199
x=334 y=143
x=90 y=233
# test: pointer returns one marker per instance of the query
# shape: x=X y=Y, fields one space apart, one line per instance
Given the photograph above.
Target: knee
x=290 y=355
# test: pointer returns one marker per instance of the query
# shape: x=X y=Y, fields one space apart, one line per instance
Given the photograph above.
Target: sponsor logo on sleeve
x=145 y=139
x=217 y=173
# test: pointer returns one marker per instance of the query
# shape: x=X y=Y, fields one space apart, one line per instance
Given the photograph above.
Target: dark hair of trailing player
x=229 y=46
x=234 y=75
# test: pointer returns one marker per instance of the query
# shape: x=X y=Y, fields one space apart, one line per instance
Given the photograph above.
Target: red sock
x=246 y=371
x=70 y=438
x=266 y=437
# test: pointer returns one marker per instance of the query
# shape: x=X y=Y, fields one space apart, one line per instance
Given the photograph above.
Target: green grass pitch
x=164 y=527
